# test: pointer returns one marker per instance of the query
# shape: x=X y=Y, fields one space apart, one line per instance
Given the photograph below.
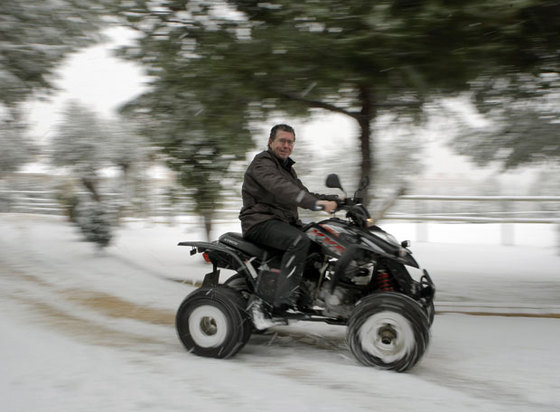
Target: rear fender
x=224 y=257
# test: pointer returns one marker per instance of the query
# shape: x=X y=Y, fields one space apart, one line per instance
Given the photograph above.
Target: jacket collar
x=287 y=164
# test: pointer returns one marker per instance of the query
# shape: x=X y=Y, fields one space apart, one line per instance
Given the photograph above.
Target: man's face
x=283 y=144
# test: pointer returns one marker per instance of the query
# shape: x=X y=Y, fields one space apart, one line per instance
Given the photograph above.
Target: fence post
x=508 y=230
x=558 y=236
x=421 y=228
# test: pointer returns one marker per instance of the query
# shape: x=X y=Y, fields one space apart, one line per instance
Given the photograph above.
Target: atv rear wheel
x=388 y=330
x=212 y=322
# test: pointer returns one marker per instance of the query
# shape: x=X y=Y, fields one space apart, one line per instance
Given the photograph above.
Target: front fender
x=350 y=252
x=344 y=261
x=409 y=260
x=405 y=259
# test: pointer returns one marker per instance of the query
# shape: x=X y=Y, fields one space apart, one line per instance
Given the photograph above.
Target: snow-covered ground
x=89 y=331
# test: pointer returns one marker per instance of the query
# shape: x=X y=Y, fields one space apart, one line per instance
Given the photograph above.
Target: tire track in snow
x=502 y=314
x=70 y=310
x=37 y=294
x=483 y=389
x=112 y=307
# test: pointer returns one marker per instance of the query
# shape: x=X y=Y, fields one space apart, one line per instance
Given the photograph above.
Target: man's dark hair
x=284 y=128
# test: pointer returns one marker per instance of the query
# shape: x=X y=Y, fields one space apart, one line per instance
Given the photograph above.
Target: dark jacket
x=272 y=190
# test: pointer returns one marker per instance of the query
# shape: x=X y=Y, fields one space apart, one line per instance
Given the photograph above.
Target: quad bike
x=355 y=275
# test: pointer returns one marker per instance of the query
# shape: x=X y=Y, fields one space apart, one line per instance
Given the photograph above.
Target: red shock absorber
x=383 y=281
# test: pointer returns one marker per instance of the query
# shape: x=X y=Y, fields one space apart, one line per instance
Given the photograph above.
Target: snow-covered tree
x=34 y=39
x=85 y=144
x=80 y=145
x=16 y=149
x=130 y=152
x=36 y=36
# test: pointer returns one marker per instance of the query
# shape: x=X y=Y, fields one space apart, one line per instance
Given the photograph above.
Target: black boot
x=260 y=313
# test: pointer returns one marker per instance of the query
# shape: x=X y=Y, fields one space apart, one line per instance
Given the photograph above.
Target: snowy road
x=83 y=331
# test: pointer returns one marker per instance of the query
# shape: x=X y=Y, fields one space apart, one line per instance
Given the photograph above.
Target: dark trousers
x=295 y=244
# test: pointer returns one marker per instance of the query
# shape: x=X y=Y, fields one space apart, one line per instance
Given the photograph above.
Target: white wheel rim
x=208 y=326
x=387 y=336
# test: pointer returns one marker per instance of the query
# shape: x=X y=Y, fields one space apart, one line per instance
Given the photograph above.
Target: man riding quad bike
x=351 y=272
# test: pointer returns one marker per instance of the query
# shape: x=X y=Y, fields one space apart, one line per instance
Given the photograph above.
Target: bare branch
x=317 y=104
x=331 y=107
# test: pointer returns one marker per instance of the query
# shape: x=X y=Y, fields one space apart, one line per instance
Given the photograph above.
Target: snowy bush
x=95 y=222
x=67 y=197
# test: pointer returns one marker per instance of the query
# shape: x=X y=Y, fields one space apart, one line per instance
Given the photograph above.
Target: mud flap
x=211 y=279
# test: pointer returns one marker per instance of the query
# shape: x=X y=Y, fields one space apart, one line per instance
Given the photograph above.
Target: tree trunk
x=364 y=118
x=90 y=185
x=207 y=219
x=127 y=195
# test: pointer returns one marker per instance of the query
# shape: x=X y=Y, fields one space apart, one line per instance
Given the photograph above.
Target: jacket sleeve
x=285 y=190
x=334 y=198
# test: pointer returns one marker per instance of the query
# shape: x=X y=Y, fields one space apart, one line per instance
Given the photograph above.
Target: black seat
x=236 y=241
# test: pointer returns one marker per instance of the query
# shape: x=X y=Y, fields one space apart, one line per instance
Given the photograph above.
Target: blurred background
x=116 y=114
x=153 y=109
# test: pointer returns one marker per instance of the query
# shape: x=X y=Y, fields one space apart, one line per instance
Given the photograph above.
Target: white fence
x=421 y=209
x=504 y=210
x=30 y=201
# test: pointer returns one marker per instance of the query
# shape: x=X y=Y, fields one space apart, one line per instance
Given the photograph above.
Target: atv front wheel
x=430 y=310
x=212 y=322
x=388 y=330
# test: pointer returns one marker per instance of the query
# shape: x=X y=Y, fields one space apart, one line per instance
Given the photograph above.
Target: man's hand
x=328 y=206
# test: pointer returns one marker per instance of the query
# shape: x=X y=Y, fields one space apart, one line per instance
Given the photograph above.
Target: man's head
x=281 y=140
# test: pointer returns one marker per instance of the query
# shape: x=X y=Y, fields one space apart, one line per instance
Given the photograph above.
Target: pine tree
x=249 y=59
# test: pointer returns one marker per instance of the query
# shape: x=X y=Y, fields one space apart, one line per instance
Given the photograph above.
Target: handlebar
x=343 y=204
x=355 y=210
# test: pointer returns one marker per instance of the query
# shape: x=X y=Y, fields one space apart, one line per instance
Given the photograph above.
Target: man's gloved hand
x=328 y=206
